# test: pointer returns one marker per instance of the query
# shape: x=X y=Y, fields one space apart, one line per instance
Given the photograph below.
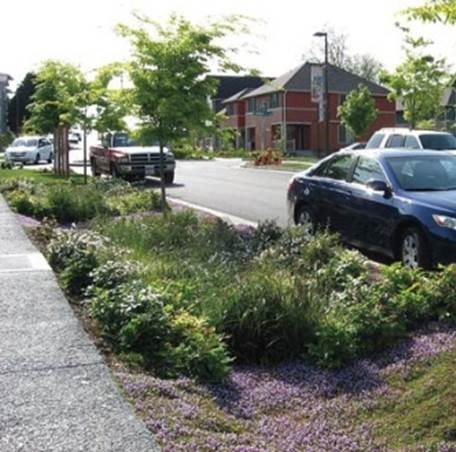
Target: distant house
x=447 y=119
x=286 y=107
x=4 y=81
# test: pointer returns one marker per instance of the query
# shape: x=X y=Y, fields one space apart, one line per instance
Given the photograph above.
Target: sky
x=83 y=33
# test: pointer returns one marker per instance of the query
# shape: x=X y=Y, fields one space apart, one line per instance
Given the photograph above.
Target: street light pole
x=321 y=34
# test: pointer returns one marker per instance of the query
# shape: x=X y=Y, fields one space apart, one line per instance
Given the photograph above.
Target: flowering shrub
x=72 y=245
x=134 y=201
x=111 y=274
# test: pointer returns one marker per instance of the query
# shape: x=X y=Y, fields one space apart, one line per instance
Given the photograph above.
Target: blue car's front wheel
x=305 y=219
x=414 y=251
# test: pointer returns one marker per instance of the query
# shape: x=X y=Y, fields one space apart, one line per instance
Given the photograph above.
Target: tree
x=443 y=11
x=358 y=111
x=169 y=69
x=363 y=65
x=61 y=94
x=418 y=83
x=18 y=112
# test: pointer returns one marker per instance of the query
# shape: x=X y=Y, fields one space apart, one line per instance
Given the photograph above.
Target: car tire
x=94 y=168
x=49 y=160
x=114 y=171
x=169 y=178
x=305 y=219
x=37 y=159
x=413 y=249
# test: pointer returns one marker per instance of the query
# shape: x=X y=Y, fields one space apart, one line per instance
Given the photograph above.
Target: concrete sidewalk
x=56 y=393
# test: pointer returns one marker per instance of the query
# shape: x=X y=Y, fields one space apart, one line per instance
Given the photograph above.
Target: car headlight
x=444 y=221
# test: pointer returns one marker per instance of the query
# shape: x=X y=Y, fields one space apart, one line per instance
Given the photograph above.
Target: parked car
x=401 y=203
x=355 y=146
x=395 y=138
x=74 y=137
x=29 y=150
x=120 y=156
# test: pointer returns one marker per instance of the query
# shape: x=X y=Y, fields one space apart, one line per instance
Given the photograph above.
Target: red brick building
x=287 y=101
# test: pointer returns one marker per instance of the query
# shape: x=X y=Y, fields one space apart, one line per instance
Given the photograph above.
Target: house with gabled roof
x=283 y=107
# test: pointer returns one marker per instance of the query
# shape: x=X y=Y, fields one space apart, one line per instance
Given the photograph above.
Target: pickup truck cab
x=120 y=156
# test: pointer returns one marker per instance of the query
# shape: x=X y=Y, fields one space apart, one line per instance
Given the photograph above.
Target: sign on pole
x=317 y=89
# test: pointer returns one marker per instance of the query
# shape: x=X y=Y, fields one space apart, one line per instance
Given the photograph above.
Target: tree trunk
x=61 y=151
x=164 y=205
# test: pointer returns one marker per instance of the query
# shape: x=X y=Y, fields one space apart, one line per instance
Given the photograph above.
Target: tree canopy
x=443 y=11
x=358 y=111
x=18 y=111
x=418 y=83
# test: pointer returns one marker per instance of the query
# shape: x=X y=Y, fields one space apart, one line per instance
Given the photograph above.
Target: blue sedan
x=398 y=203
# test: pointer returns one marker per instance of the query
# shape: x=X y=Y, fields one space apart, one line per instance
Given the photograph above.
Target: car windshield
x=27 y=142
x=124 y=141
x=438 y=141
x=424 y=173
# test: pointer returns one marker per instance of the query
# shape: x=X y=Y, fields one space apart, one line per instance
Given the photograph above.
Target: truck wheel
x=169 y=178
x=93 y=166
x=114 y=171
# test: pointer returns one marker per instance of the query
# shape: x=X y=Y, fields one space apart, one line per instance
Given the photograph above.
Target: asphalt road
x=223 y=185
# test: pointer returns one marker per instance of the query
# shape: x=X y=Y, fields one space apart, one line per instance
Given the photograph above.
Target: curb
x=233 y=219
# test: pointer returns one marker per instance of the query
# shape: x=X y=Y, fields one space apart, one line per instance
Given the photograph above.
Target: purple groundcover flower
x=293 y=406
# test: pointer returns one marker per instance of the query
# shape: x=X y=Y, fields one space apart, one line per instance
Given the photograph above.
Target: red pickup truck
x=120 y=156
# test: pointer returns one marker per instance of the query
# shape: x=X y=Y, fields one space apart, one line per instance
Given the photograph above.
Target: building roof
x=237 y=96
x=298 y=79
x=229 y=85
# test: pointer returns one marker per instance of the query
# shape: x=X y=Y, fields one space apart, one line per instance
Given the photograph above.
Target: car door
x=335 y=193
x=372 y=214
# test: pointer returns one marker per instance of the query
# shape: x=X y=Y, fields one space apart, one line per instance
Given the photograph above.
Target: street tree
x=18 y=112
x=60 y=96
x=169 y=70
x=358 y=111
x=442 y=11
x=339 y=54
x=418 y=83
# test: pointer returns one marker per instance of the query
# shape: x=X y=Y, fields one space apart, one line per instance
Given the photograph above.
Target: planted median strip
x=225 y=310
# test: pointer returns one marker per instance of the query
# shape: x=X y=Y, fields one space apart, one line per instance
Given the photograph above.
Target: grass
x=45 y=177
x=423 y=413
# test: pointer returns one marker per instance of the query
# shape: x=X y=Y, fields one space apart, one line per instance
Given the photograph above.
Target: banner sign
x=317 y=90
x=317 y=81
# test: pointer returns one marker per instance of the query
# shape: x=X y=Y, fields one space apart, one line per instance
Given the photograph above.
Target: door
x=373 y=214
x=336 y=193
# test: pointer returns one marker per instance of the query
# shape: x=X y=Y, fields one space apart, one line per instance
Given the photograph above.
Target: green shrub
x=265 y=317
x=77 y=275
x=193 y=348
x=23 y=202
x=136 y=201
x=137 y=322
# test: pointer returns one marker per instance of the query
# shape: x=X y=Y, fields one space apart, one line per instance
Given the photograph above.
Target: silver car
x=30 y=150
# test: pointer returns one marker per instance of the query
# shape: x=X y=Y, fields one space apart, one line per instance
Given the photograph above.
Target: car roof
x=30 y=137
x=412 y=131
x=391 y=152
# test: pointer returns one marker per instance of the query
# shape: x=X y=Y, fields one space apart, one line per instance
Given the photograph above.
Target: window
x=342 y=98
x=395 y=141
x=438 y=141
x=230 y=109
x=411 y=142
x=345 y=137
x=274 y=100
x=251 y=105
x=425 y=173
x=375 y=141
x=367 y=169
x=338 y=168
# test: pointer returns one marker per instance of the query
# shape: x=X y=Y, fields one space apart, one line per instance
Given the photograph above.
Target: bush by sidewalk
x=263 y=295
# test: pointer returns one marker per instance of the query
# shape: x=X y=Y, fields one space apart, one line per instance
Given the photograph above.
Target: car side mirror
x=380 y=185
